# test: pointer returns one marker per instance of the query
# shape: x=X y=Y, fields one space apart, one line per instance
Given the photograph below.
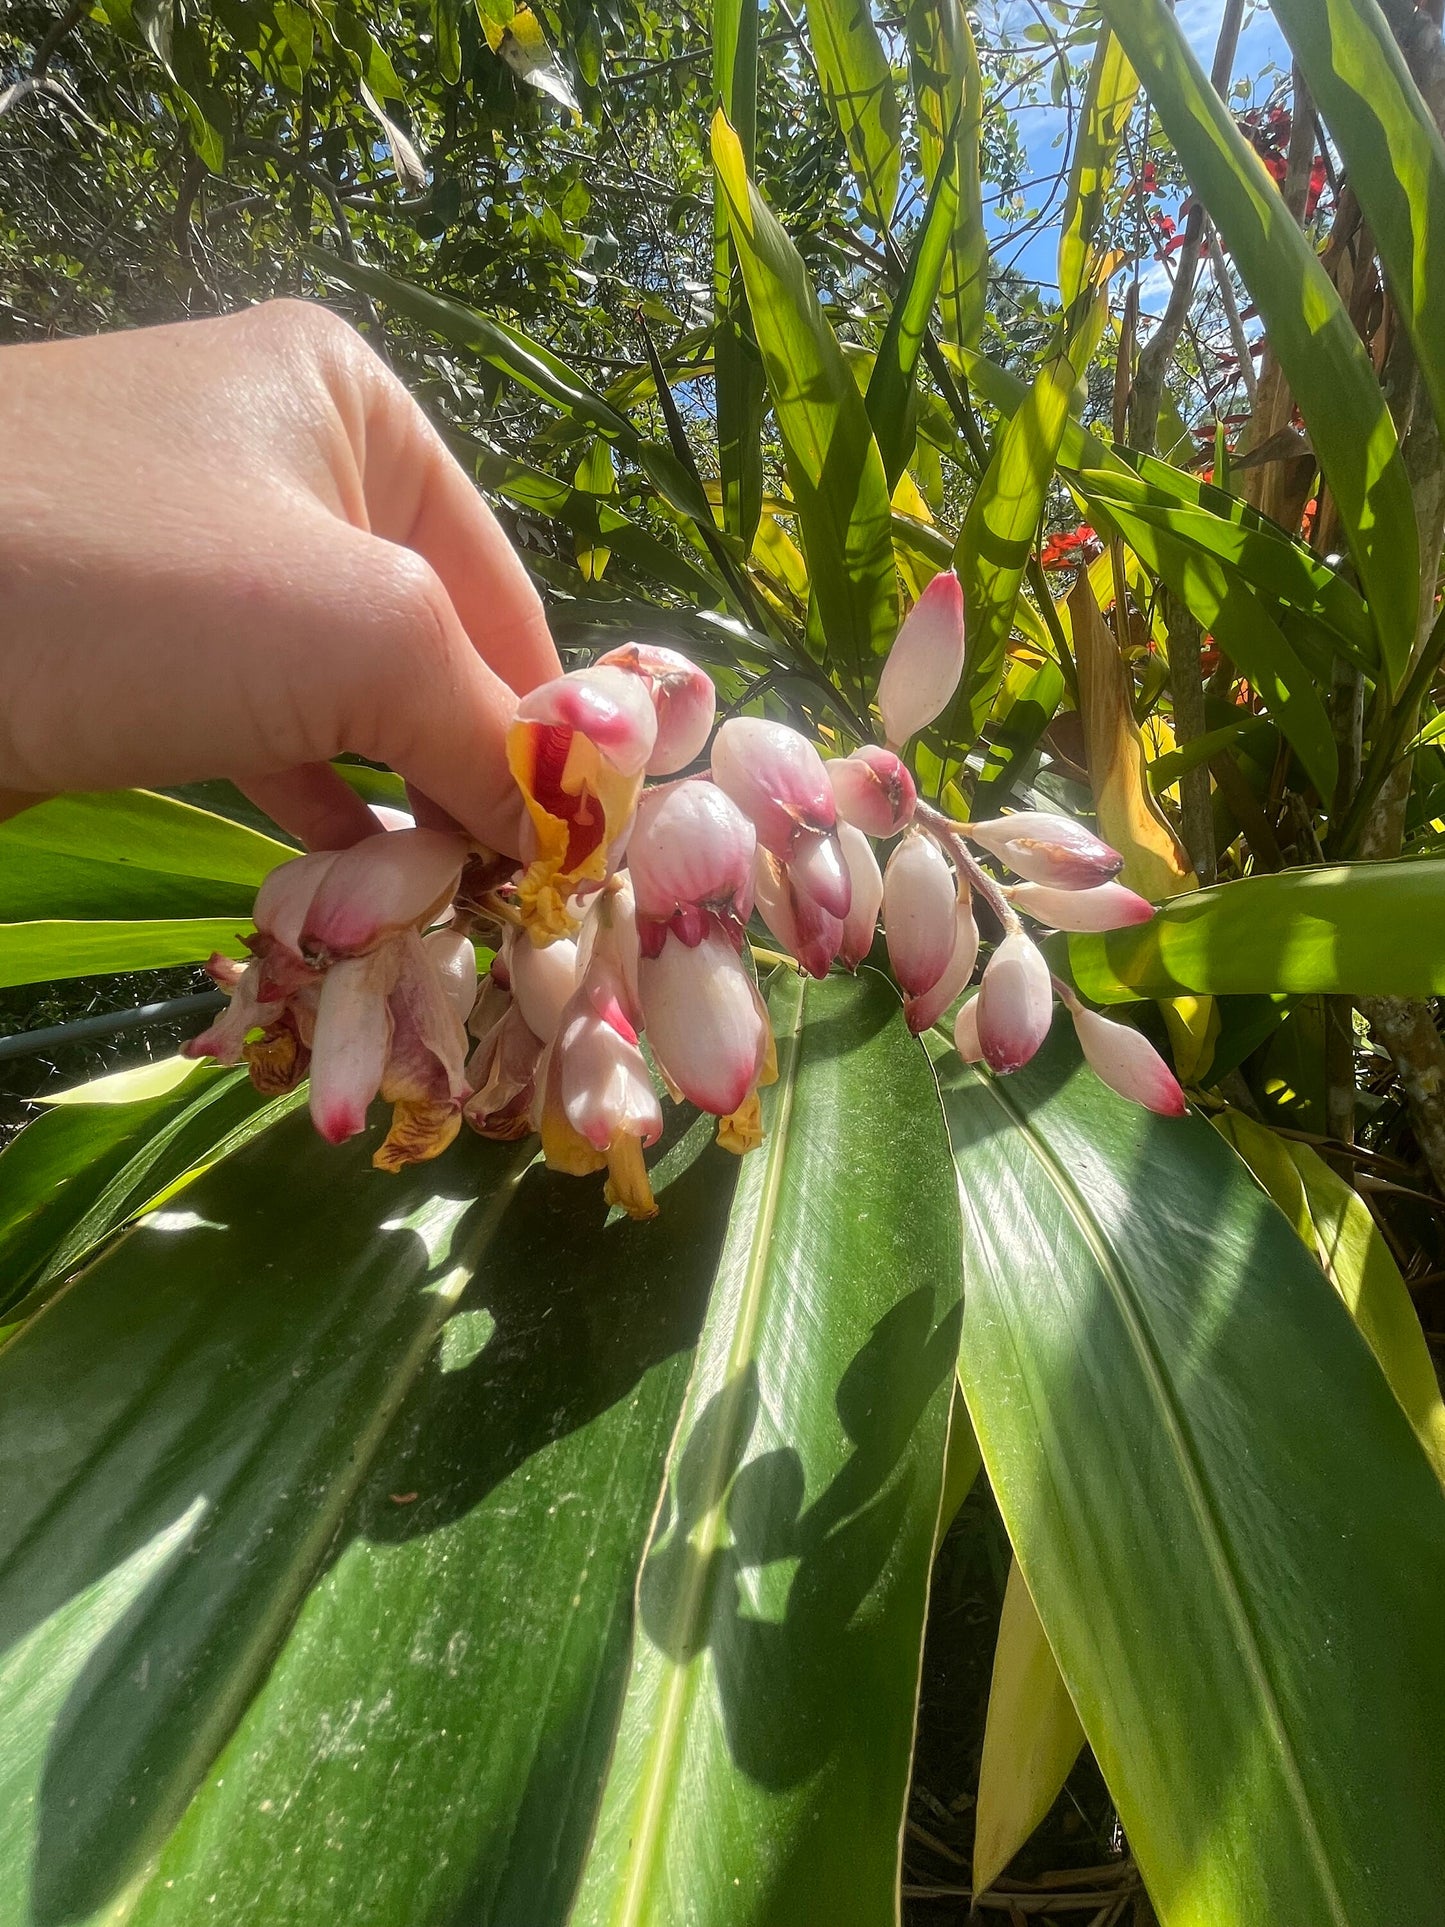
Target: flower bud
x=604 y=1083
x=873 y=790
x=776 y=777
x=925 y=663
x=1048 y=849
x=1015 y=1003
x=801 y=925
x=1107 y=906
x=286 y=894
x=683 y=699
x=922 y=1013
x=965 y=1033
x=817 y=869
x=453 y=958
x=691 y=844
x=353 y=1033
x=861 y=924
x=919 y=895
x=611 y=708
x=378 y=888
x=1128 y=1063
x=542 y=981
x=705 y=1021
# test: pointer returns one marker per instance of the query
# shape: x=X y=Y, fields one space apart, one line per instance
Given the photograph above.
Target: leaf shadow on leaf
x=315 y=1403
x=838 y=1546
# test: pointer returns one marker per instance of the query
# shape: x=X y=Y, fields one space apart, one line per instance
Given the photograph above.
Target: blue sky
x=1261 y=49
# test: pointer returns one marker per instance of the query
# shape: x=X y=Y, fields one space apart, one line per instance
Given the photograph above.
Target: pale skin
x=237 y=548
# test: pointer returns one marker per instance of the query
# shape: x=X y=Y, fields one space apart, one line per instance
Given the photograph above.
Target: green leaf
x=738 y=371
x=1104 y=117
x=129 y=854
x=1368 y=929
x=1184 y=1428
x=346 y=1506
x=1394 y=153
x=761 y=1767
x=1031 y=1738
x=857 y=83
x=35 y=953
x=835 y=472
x=1325 y=362
x=890 y=398
x=948 y=95
x=998 y=535
x=1337 y=1229
x=1027 y=702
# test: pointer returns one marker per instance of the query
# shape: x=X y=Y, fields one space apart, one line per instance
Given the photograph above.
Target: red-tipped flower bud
x=1048 y=849
x=705 y=1021
x=922 y=1013
x=925 y=663
x=873 y=790
x=1015 y=1003
x=919 y=896
x=861 y=924
x=682 y=696
x=818 y=869
x=1128 y=1063
x=1107 y=906
x=611 y=708
x=776 y=777
x=691 y=844
x=801 y=925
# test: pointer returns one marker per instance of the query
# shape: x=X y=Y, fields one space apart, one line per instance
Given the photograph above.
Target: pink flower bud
x=776 y=777
x=353 y=1034
x=542 y=981
x=1128 y=1063
x=611 y=708
x=817 y=869
x=285 y=897
x=1015 y=1003
x=965 y=1033
x=1107 y=906
x=919 y=895
x=705 y=1021
x=861 y=924
x=608 y=955
x=691 y=844
x=805 y=930
x=925 y=663
x=682 y=696
x=873 y=790
x=922 y=1013
x=604 y=1084
x=1048 y=849
x=378 y=888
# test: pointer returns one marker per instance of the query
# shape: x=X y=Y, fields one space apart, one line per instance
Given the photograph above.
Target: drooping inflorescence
x=627 y=919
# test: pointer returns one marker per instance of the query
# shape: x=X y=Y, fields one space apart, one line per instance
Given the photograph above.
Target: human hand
x=236 y=548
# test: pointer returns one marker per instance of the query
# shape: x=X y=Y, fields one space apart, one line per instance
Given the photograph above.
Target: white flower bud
x=925 y=663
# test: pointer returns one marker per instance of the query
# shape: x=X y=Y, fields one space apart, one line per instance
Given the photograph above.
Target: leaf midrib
x=1211 y=1532
x=658 y=1778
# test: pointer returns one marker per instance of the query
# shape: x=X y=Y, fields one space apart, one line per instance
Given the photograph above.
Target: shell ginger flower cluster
x=627 y=920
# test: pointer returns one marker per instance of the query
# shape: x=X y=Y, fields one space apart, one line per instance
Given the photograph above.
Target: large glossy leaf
x=835 y=472
x=34 y=953
x=80 y=1170
x=1335 y=1224
x=326 y=1497
x=998 y=535
x=1031 y=1738
x=1323 y=358
x=129 y=854
x=1371 y=929
x=762 y=1761
x=890 y=397
x=1233 y=1539
x=857 y=79
x=1393 y=150
x=948 y=94
x=1108 y=102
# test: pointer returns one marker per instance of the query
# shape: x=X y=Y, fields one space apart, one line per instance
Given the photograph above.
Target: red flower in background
x=1070 y=547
